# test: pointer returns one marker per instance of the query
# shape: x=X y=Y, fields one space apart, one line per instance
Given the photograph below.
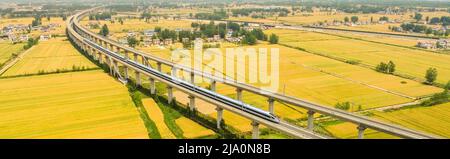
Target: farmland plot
x=68 y=105
x=7 y=50
x=50 y=56
x=409 y=62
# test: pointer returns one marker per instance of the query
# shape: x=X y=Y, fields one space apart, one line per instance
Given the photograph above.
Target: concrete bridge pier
x=213 y=85
x=100 y=58
x=271 y=105
x=88 y=50
x=192 y=78
x=115 y=67
x=238 y=94
x=125 y=71
x=361 y=129
x=169 y=94
x=191 y=103
x=111 y=47
x=108 y=60
x=174 y=71
x=135 y=57
x=104 y=44
x=311 y=120
x=219 y=116
x=118 y=50
x=92 y=54
x=255 y=130
x=159 y=66
x=145 y=61
x=152 y=86
x=138 y=78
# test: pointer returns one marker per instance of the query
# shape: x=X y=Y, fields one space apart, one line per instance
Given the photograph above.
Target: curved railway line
x=99 y=47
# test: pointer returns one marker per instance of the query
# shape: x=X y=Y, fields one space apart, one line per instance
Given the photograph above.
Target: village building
x=185 y=40
x=23 y=38
x=45 y=37
x=168 y=41
x=147 y=42
x=123 y=41
x=131 y=34
x=149 y=33
x=216 y=38
x=426 y=44
x=443 y=44
x=156 y=41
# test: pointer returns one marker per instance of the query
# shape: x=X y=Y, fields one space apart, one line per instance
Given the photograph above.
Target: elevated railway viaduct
x=108 y=51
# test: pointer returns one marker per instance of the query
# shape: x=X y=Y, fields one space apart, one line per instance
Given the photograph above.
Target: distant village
x=148 y=37
x=17 y=33
x=434 y=44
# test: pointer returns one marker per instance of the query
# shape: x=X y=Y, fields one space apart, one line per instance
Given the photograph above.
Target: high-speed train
x=205 y=92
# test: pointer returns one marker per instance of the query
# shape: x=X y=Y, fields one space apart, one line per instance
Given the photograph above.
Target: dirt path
x=157 y=116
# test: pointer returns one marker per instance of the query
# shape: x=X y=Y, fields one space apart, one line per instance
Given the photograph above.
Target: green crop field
x=50 y=56
x=86 y=104
x=409 y=62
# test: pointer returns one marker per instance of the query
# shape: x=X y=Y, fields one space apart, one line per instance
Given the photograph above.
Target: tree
x=259 y=34
x=418 y=16
x=158 y=29
x=249 y=39
x=121 y=21
x=431 y=75
x=384 y=18
x=104 y=30
x=346 y=19
x=30 y=43
x=343 y=106
x=391 y=67
x=447 y=86
x=382 y=67
x=429 y=31
x=132 y=41
x=273 y=39
x=435 y=20
x=37 y=21
x=355 y=19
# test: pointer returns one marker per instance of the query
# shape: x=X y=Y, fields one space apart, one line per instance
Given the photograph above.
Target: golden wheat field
x=434 y=120
x=329 y=81
x=86 y=104
x=384 y=28
x=157 y=116
x=7 y=50
x=318 y=79
x=409 y=62
x=310 y=18
x=191 y=129
x=50 y=56
x=14 y=21
x=399 y=41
